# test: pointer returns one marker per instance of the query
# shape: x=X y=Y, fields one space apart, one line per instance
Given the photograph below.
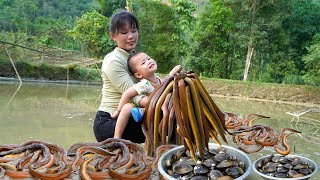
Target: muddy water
x=50 y=112
x=63 y=115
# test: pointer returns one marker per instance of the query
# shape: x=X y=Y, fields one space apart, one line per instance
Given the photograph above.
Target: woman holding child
x=123 y=29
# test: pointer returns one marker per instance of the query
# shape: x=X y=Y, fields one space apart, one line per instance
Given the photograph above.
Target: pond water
x=63 y=114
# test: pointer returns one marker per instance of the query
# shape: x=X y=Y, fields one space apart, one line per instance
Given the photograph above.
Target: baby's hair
x=131 y=67
x=121 y=19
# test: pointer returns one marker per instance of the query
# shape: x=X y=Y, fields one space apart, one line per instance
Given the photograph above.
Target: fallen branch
x=303 y=112
x=300 y=113
x=310 y=125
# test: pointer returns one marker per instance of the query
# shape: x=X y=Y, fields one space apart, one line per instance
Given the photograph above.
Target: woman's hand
x=115 y=114
x=175 y=70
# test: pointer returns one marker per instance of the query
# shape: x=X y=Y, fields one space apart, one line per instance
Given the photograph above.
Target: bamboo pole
x=14 y=67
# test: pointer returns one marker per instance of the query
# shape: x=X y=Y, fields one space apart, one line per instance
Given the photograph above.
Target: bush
x=293 y=79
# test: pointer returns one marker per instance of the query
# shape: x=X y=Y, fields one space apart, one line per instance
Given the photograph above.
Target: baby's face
x=145 y=65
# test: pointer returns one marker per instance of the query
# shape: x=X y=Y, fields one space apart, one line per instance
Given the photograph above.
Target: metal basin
x=232 y=151
x=304 y=159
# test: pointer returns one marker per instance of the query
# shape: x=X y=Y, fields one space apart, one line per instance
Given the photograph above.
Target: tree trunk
x=129 y=6
x=248 y=60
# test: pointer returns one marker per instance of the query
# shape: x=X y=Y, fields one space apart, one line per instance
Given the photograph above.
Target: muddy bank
x=306 y=95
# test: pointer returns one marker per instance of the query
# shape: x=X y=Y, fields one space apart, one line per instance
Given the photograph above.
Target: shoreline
x=309 y=105
x=98 y=83
x=6 y=79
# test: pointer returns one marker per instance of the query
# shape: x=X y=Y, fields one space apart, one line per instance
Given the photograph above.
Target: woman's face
x=126 y=38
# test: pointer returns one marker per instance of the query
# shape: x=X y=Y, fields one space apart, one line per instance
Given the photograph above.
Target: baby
x=144 y=68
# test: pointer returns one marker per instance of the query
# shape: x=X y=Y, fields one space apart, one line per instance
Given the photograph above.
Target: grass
x=262 y=91
x=268 y=91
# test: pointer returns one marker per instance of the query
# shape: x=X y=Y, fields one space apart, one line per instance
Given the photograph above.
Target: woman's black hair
x=121 y=19
x=131 y=67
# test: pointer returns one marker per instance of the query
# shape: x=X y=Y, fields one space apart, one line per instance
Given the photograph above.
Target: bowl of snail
x=293 y=167
x=218 y=161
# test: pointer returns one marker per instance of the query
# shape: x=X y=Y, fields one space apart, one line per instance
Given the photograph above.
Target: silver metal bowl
x=232 y=151
x=304 y=159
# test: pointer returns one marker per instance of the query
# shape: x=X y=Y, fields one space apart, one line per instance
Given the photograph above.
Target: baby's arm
x=174 y=71
x=125 y=98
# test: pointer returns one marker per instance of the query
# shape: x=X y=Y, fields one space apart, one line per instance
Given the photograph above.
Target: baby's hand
x=115 y=114
x=175 y=70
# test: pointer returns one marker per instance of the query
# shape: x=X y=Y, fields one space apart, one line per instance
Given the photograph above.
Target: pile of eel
x=34 y=159
x=110 y=159
x=253 y=138
x=181 y=111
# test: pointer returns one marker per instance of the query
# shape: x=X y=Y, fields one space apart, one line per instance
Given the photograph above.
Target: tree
x=211 y=45
x=91 y=30
x=253 y=13
x=260 y=39
x=108 y=7
x=294 y=24
x=129 y=6
x=44 y=21
x=312 y=63
x=184 y=10
x=301 y=26
x=157 y=25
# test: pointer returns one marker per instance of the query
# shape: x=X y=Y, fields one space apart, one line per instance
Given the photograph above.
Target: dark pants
x=104 y=125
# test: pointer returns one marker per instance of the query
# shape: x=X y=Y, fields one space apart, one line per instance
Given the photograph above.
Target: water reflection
x=63 y=115
x=47 y=112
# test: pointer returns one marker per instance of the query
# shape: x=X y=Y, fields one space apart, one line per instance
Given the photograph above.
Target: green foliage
x=312 y=63
x=288 y=43
x=301 y=25
x=184 y=10
x=157 y=32
x=18 y=38
x=91 y=30
x=107 y=8
x=44 y=21
x=279 y=31
x=85 y=74
x=209 y=53
x=265 y=76
x=293 y=79
x=256 y=22
x=53 y=32
x=211 y=41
